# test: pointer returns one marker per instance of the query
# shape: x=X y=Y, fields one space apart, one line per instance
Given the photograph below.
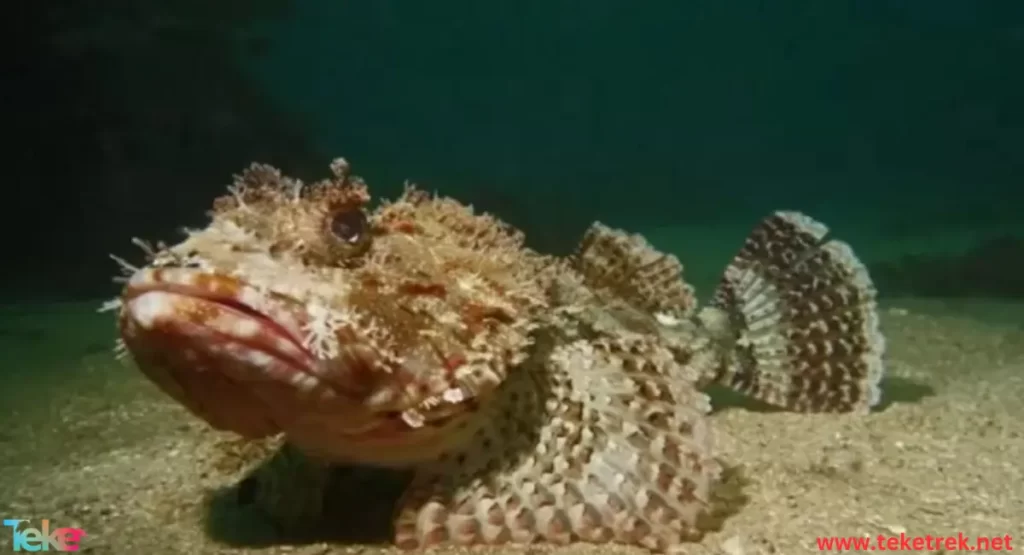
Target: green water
x=899 y=124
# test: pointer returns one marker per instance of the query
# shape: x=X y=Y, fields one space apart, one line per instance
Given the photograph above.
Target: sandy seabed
x=87 y=442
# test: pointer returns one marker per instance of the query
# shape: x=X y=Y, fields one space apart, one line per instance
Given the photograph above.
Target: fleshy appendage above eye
x=350 y=230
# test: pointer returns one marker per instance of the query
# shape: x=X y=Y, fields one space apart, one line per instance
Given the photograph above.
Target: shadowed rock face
x=128 y=117
x=993 y=268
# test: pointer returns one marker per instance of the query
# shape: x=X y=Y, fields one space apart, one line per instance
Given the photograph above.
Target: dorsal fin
x=626 y=266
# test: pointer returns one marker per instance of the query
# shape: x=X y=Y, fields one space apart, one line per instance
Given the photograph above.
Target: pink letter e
x=70 y=538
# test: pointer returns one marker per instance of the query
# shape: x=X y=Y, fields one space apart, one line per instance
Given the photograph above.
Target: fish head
x=364 y=335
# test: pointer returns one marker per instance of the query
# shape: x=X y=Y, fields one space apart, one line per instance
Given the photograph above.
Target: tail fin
x=800 y=315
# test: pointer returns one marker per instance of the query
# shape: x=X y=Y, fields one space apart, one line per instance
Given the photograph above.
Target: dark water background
x=888 y=118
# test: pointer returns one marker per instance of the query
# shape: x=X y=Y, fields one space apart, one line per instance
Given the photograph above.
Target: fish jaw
x=226 y=352
x=238 y=358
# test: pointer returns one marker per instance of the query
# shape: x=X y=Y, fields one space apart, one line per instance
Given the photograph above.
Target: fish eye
x=350 y=226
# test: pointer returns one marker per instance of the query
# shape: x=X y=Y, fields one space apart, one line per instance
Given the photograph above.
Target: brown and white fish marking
x=539 y=399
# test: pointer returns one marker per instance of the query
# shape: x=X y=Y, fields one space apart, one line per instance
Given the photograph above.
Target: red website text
x=905 y=542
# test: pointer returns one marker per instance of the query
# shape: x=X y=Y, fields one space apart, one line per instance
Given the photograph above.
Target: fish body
x=538 y=399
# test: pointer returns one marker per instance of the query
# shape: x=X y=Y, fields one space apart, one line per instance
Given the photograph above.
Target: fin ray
x=802 y=320
x=626 y=266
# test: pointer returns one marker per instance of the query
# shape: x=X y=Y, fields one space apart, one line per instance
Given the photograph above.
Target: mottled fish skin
x=537 y=399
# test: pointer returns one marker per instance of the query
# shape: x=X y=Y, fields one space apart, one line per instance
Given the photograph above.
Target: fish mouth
x=231 y=355
x=236 y=357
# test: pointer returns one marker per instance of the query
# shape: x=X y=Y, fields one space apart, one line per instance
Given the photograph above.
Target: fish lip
x=282 y=316
x=201 y=285
x=278 y=317
x=227 y=400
